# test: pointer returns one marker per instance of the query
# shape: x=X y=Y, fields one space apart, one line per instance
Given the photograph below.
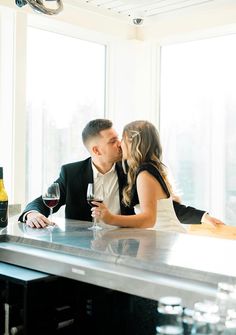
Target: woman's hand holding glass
x=101 y=212
x=92 y=201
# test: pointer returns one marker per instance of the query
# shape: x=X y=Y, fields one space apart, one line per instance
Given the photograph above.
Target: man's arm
x=188 y=214
x=212 y=220
x=36 y=212
x=36 y=205
x=191 y=215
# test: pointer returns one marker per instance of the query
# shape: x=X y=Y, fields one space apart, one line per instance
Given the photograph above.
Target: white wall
x=132 y=82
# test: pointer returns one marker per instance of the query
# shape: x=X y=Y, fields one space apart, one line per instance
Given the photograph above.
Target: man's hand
x=214 y=221
x=37 y=220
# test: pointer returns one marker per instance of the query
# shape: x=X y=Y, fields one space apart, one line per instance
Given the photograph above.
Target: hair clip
x=136 y=133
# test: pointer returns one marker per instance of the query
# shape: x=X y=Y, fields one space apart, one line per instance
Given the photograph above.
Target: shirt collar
x=97 y=174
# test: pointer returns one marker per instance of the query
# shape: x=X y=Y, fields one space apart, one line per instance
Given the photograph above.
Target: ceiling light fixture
x=38 y=6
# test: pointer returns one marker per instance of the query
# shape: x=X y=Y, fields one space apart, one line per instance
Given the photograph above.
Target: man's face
x=108 y=146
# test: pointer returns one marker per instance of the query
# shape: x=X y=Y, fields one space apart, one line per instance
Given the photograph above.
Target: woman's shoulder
x=149 y=167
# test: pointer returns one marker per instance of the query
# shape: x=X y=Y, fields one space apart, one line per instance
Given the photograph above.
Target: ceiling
x=150 y=9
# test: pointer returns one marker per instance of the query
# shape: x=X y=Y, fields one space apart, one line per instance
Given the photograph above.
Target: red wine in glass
x=51 y=196
x=90 y=198
x=51 y=202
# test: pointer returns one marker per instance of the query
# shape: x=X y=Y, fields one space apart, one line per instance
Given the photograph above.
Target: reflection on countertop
x=138 y=247
x=149 y=258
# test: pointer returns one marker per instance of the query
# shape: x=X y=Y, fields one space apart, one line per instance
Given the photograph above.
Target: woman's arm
x=149 y=191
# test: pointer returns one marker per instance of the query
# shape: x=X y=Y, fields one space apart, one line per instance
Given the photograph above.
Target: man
x=105 y=171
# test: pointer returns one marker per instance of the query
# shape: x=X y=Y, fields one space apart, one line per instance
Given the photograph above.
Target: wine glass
x=90 y=198
x=51 y=196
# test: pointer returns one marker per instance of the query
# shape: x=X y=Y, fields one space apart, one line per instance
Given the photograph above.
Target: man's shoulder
x=77 y=165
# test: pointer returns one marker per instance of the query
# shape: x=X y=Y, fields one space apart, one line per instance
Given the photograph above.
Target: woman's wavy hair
x=145 y=146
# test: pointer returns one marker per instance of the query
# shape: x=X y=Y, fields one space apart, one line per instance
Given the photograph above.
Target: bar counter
x=146 y=263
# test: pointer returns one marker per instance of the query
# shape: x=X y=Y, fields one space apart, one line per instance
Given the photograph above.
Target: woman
x=148 y=188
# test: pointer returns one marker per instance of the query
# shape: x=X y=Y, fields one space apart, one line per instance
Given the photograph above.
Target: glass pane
x=65 y=89
x=198 y=122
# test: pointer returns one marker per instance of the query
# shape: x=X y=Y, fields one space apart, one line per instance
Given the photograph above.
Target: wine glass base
x=95 y=228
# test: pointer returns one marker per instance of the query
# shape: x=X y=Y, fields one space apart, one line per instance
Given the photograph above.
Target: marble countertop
x=137 y=261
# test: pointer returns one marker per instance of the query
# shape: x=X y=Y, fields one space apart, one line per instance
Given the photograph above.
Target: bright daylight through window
x=198 y=117
x=65 y=89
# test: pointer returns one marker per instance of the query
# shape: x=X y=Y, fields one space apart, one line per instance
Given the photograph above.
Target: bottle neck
x=1 y=184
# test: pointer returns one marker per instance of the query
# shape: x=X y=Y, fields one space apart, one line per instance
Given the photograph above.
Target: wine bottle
x=3 y=202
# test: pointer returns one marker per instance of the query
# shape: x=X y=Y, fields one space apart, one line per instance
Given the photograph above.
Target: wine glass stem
x=50 y=217
x=94 y=222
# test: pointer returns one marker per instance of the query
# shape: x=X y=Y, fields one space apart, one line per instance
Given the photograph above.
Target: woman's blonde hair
x=144 y=146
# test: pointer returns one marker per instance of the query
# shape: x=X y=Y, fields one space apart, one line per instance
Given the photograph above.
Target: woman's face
x=125 y=146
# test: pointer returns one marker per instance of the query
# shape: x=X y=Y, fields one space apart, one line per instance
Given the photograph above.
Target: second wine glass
x=51 y=196
x=91 y=197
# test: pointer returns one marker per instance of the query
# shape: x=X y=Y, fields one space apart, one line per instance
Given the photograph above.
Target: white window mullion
x=217 y=153
x=19 y=141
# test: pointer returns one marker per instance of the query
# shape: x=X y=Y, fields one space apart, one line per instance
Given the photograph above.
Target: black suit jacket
x=73 y=182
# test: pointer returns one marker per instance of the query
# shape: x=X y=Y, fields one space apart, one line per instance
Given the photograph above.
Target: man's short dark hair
x=93 y=129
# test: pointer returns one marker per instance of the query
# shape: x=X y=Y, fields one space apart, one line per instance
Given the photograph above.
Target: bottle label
x=3 y=213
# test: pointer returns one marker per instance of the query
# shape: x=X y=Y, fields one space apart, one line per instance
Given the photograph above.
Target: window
x=198 y=118
x=65 y=89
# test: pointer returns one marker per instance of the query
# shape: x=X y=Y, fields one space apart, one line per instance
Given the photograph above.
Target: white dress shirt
x=106 y=187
